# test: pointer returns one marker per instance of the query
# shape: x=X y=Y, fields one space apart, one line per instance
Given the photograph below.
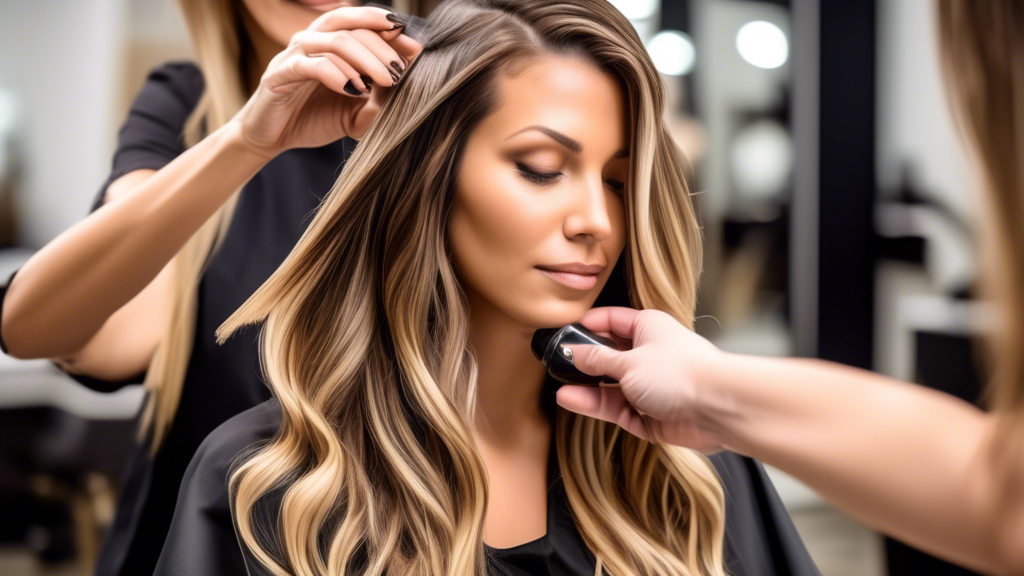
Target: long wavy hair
x=365 y=340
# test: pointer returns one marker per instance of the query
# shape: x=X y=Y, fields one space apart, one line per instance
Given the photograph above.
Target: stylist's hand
x=301 y=100
x=659 y=396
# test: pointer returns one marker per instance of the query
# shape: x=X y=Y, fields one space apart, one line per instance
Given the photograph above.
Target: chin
x=552 y=314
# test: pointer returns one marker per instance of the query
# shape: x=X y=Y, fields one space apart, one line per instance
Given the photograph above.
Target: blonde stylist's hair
x=982 y=47
x=219 y=43
x=374 y=468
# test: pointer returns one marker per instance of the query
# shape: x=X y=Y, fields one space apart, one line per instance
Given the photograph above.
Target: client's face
x=538 y=218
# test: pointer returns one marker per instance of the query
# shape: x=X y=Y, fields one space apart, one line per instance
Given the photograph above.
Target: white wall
x=913 y=117
x=63 y=60
x=914 y=123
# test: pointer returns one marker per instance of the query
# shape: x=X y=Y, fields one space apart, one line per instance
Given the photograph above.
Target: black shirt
x=272 y=213
x=760 y=537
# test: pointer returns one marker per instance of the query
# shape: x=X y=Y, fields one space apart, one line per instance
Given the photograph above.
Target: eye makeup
x=535 y=176
x=547 y=178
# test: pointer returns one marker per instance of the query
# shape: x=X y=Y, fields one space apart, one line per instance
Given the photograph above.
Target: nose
x=588 y=212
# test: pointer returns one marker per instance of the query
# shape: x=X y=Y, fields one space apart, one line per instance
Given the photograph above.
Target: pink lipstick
x=575 y=275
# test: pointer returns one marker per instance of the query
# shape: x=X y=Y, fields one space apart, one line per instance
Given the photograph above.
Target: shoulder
x=173 y=88
x=151 y=134
x=183 y=78
x=212 y=461
x=201 y=539
x=178 y=70
x=203 y=493
x=759 y=534
x=246 y=429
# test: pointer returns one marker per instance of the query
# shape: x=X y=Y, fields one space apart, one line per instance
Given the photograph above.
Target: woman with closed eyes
x=519 y=173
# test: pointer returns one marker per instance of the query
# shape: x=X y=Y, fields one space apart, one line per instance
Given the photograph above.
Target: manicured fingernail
x=393 y=18
x=366 y=80
x=350 y=88
x=397 y=66
x=396 y=73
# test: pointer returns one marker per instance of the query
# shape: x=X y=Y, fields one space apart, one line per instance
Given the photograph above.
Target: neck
x=510 y=378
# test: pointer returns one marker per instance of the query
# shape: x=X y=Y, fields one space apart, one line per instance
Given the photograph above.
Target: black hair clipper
x=548 y=346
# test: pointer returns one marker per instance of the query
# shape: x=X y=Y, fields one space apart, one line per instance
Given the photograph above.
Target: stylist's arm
x=102 y=285
x=909 y=461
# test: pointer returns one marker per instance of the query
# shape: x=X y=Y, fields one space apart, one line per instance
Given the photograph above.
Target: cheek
x=496 y=226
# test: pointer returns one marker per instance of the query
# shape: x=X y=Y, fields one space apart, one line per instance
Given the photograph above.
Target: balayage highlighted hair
x=366 y=335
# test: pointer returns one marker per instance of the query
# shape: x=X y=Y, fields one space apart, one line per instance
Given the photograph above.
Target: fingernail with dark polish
x=366 y=80
x=397 y=66
x=350 y=88
x=393 y=18
x=396 y=74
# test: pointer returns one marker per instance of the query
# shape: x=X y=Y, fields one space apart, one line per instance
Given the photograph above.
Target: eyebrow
x=573 y=145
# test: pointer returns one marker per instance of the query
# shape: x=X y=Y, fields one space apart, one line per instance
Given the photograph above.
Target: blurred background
x=832 y=188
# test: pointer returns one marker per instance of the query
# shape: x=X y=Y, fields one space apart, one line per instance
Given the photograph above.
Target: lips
x=574 y=275
x=574 y=268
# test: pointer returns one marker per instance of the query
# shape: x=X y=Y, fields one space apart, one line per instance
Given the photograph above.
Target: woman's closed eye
x=538 y=177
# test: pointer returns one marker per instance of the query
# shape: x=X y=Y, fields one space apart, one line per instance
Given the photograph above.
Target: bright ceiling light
x=672 y=52
x=762 y=44
x=762 y=160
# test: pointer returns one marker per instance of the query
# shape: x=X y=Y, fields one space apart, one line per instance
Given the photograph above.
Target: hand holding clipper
x=549 y=346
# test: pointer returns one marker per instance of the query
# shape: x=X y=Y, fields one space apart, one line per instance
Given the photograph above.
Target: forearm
x=904 y=459
x=62 y=296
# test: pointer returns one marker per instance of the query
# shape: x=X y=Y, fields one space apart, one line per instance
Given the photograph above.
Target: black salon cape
x=760 y=537
x=274 y=209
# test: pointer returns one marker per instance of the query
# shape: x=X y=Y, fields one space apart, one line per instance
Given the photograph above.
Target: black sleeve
x=3 y=293
x=760 y=538
x=150 y=137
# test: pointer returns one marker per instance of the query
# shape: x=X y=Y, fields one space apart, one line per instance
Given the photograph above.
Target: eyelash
x=540 y=178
